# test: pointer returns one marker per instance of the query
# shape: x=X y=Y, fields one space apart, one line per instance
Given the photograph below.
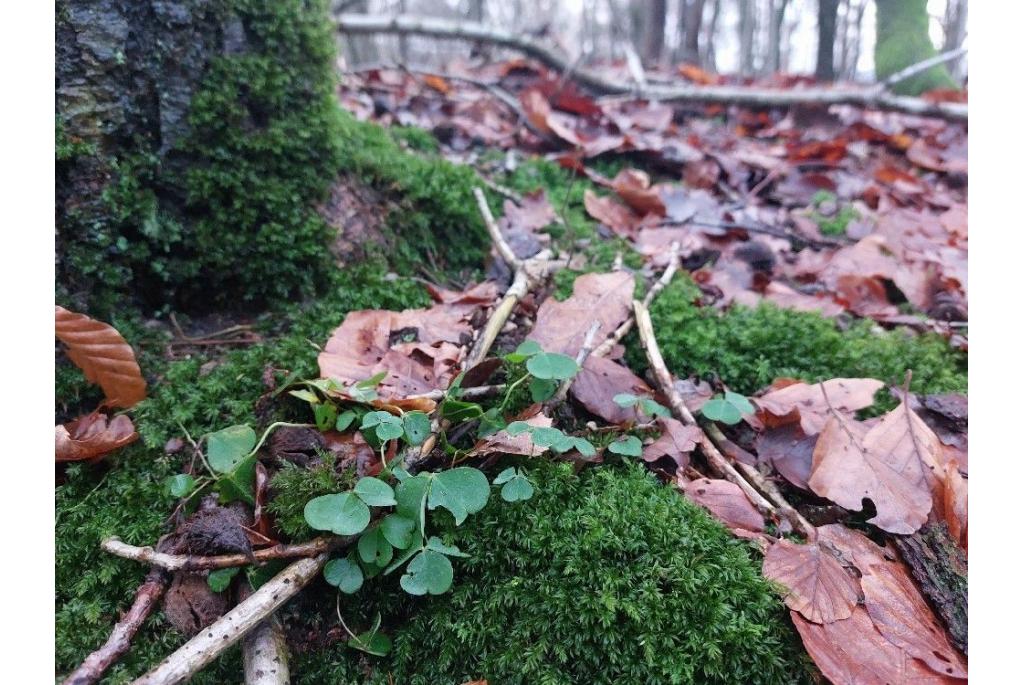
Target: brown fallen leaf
x=895 y=464
x=790 y=451
x=503 y=443
x=91 y=436
x=818 y=587
x=727 y=502
x=902 y=616
x=599 y=381
x=634 y=187
x=853 y=652
x=613 y=214
x=954 y=503
x=676 y=442
x=562 y=326
x=788 y=402
x=103 y=356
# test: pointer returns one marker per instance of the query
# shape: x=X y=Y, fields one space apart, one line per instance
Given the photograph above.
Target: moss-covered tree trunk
x=902 y=40
x=194 y=138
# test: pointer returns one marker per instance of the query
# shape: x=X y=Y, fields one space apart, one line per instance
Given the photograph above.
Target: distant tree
x=653 y=29
x=902 y=40
x=708 y=60
x=955 y=28
x=776 y=17
x=691 y=13
x=825 y=67
x=747 y=29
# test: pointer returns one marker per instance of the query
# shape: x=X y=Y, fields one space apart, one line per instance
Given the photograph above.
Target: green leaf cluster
x=728 y=408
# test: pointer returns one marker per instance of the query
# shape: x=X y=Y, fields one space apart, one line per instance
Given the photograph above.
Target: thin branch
x=581 y=357
x=188 y=562
x=714 y=456
x=739 y=95
x=626 y=326
x=504 y=249
x=923 y=65
x=216 y=638
x=120 y=640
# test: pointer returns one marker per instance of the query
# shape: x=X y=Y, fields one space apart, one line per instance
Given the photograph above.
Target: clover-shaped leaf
x=526 y=349
x=228 y=447
x=625 y=400
x=342 y=514
x=627 y=445
x=397 y=530
x=344 y=420
x=437 y=545
x=429 y=572
x=552 y=366
x=179 y=485
x=516 y=486
x=375 y=492
x=220 y=579
x=344 y=574
x=374 y=548
x=541 y=389
x=462 y=491
x=417 y=427
x=728 y=409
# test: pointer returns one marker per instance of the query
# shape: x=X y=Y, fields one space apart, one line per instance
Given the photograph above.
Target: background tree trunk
x=902 y=40
x=691 y=13
x=747 y=27
x=827 y=12
x=955 y=27
x=708 y=60
x=654 y=30
x=777 y=15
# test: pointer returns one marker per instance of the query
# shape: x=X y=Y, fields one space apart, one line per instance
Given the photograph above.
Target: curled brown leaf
x=103 y=355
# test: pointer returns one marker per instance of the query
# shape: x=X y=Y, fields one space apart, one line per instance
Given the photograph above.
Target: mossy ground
x=577 y=557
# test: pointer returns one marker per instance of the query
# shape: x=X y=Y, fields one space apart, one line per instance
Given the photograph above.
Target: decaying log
x=939 y=566
x=738 y=95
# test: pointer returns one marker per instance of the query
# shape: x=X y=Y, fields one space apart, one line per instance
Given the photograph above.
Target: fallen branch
x=188 y=562
x=626 y=326
x=739 y=95
x=265 y=651
x=120 y=640
x=923 y=65
x=716 y=460
x=216 y=638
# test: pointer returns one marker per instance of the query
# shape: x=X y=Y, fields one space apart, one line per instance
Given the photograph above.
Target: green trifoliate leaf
x=517 y=489
x=325 y=416
x=344 y=574
x=410 y=495
x=505 y=476
x=517 y=427
x=437 y=545
x=526 y=349
x=345 y=419
x=375 y=492
x=180 y=485
x=584 y=447
x=551 y=365
x=220 y=579
x=417 y=427
x=625 y=400
x=228 y=447
x=457 y=410
x=397 y=530
x=372 y=642
x=429 y=572
x=652 y=408
x=374 y=548
x=238 y=484
x=462 y=491
x=546 y=436
x=490 y=423
x=739 y=401
x=627 y=445
x=342 y=514
x=542 y=390
x=415 y=545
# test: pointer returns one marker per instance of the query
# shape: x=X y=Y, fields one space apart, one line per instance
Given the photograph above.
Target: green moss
x=292 y=487
x=608 y=577
x=750 y=348
x=902 y=40
x=124 y=495
x=835 y=223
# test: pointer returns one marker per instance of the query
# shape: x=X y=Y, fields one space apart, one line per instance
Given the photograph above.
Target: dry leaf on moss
x=92 y=436
x=818 y=586
x=103 y=355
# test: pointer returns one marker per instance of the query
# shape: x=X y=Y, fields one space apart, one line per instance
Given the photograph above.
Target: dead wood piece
x=939 y=565
x=265 y=651
x=120 y=640
x=738 y=95
x=189 y=562
x=211 y=642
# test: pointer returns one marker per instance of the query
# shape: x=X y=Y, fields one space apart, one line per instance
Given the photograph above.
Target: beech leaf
x=817 y=584
x=103 y=355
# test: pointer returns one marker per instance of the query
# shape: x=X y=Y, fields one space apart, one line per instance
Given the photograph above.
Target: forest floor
x=810 y=304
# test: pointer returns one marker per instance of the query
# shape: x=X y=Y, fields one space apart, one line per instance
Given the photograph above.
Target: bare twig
x=581 y=356
x=265 y=651
x=188 y=562
x=923 y=65
x=739 y=95
x=213 y=640
x=626 y=326
x=467 y=393
x=120 y=640
x=716 y=460
x=504 y=249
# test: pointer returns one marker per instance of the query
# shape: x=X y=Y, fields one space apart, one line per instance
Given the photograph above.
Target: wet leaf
x=817 y=584
x=727 y=502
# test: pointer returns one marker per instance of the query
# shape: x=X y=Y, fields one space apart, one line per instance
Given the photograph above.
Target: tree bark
x=939 y=566
x=824 y=69
x=778 y=16
x=747 y=26
x=692 y=14
x=654 y=30
x=955 y=27
x=708 y=58
x=902 y=40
